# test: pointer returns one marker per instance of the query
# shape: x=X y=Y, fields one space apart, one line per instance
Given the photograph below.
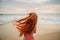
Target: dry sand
x=44 y=32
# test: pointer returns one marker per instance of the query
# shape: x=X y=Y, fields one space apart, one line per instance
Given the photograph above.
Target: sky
x=24 y=6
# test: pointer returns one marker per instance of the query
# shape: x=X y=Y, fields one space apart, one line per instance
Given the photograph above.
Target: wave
x=42 y=18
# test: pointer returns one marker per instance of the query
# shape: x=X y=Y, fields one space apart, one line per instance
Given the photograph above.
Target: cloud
x=33 y=1
x=41 y=9
x=54 y=2
x=18 y=6
x=28 y=3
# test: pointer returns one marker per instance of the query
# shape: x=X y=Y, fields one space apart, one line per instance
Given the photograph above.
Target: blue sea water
x=42 y=18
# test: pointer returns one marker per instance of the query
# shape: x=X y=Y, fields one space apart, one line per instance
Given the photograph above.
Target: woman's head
x=31 y=13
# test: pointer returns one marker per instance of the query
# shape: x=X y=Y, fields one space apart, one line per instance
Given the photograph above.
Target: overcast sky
x=18 y=6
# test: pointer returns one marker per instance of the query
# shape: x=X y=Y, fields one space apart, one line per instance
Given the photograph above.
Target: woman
x=27 y=26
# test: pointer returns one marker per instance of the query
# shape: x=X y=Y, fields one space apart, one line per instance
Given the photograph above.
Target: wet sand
x=44 y=32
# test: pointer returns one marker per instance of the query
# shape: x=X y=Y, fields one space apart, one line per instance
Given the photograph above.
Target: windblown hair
x=28 y=24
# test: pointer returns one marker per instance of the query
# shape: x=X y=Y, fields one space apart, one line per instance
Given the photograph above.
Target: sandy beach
x=44 y=32
x=48 y=15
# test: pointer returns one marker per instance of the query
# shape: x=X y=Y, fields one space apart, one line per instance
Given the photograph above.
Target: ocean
x=42 y=18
